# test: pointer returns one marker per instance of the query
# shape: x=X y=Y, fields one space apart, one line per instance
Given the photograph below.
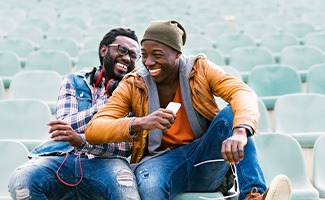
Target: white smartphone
x=173 y=106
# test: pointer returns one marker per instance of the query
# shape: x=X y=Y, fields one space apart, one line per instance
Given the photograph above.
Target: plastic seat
x=98 y=31
x=281 y=154
x=24 y=120
x=21 y=46
x=245 y=58
x=280 y=19
x=319 y=166
x=301 y=116
x=2 y=89
x=214 y=55
x=92 y=43
x=233 y=71
x=276 y=41
x=315 y=79
x=7 y=24
x=257 y=29
x=42 y=23
x=13 y=154
x=264 y=122
x=9 y=66
x=55 y=60
x=88 y=58
x=60 y=43
x=73 y=20
x=243 y=18
x=197 y=41
x=67 y=31
x=301 y=57
x=216 y=28
x=33 y=33
x=229 y=41
x=272 y=81
x=48 y=13
x=316 y=39
x=299 y=28
x=43 y=85
x=315 y=18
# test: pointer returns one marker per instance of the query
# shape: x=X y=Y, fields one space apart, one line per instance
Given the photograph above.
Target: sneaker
x=280 y=189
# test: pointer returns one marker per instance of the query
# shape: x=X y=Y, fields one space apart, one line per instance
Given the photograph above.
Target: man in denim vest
x=68 y=167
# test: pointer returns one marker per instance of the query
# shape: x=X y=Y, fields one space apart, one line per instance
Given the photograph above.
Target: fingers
x=232 y=151
x=61 y=135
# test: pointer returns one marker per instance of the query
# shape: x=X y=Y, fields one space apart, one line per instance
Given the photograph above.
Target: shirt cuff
x=249 y=130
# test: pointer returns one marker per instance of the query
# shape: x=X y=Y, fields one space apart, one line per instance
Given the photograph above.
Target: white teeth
x=121 y=65
x=154 y=70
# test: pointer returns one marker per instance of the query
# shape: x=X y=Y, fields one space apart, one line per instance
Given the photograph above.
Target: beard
x=109 y=65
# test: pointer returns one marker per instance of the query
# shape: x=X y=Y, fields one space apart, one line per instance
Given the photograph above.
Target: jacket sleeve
x=242 y=98
x=109 y=124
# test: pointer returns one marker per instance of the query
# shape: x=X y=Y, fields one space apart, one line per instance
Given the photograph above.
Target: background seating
x=319 y=166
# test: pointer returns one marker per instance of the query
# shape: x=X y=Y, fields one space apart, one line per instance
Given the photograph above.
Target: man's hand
x=61 y=131
x=233 y=148
x=160 y=119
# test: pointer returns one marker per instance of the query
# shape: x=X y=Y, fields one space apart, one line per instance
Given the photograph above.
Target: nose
x=148 y=61
x=127 y=58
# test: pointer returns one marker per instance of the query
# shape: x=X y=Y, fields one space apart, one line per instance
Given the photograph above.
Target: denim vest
x=84 y=93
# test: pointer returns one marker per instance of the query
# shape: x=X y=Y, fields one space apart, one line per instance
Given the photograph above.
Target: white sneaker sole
x=280 y=188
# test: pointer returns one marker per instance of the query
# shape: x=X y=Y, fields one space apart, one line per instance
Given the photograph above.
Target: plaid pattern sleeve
x=67 y=110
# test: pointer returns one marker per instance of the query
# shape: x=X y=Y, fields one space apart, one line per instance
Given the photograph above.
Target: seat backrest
x=228 y=41
x=13 y=154
x=276 y=41
x=264 y=122
x=245 y=58
x=280 y=19
x=88 y=58
x=233 y=71
x=318 y=179
x=257 y=29
x=214 y=55
x=301 y=57
x=67 y=31
x=299 y=28
x=61 y=43
x=316 y=18
x=2 y=89
x=300 y=112
x=274 y=80
x=216 y=28
x=33 y=33
x=24 y=119
x=282 y=154
x=316 y=39
x=37 y=84
x=55 y=60
x=42 y=23
x=21 y=46
x=315 y=79
x=9 y=63
x=198 y=41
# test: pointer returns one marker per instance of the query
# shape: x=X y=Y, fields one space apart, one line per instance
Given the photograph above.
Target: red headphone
x=96 y=77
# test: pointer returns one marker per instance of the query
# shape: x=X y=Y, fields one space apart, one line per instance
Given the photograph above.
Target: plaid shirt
x=67 y=110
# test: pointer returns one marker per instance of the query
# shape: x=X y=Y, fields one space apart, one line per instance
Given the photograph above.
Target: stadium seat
x=9 y=66
x=21 y=46
x=97 y=31
x=272 y=81
x=214 y=55
x=298 y=9
x=280 y=19
x=301 y=57
x=73 y=20
x=264 y=122
x=228 y=41
x=2 y=89
x=316 y=39
x=214 y=29
x=196 y=40
x=315 y=18
x=319 y=166
x=13 y=154
x=245 y=58
x=25 y=120
x=67 y=31
x=48 y=13
x=43 y=23
x=61 y=43
x=37 y=84
x=276 y=41
x=299 y=28
x=300 y=115
x=242 y=18
x=92 y=43
x=281 y=154
x=316 y=79
x=257 y=29
x=88 y=59
x=55 y=60
x=33 y=33
x=233 y=71
x=7 y=24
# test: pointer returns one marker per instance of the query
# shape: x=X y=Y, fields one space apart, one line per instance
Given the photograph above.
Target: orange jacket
x=205 y=79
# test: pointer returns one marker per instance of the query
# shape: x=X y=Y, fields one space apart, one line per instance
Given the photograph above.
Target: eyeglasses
x=122 y=50
x=233 y=191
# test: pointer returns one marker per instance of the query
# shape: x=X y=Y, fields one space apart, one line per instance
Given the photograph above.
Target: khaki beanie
x=168 y=32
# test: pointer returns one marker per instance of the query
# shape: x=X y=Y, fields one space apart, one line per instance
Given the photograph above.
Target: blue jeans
x=109 y=178
x=165 y=176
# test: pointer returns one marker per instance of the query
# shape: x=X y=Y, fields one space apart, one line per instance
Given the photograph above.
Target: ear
x=178 y=54
x=103 y=50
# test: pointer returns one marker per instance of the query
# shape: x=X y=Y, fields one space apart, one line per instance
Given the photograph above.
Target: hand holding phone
x=173 y=106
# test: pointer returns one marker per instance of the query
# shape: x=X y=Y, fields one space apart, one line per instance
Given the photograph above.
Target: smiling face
x=114 y=64
x=160 y=60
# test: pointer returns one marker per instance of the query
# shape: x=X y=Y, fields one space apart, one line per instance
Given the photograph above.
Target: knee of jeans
x=125 y=178
x=22 y=193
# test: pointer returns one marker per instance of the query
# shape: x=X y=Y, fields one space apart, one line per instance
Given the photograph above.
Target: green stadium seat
x=301 y=57
x=88 y=59
x=281 y=154
x=264 y=124
x=316 y=79
x=67 y=31
x=25 y=120
x=92 y=43
x=2 y=89
x=280 y=19
x=55 y=60
x=214 y=55
x=299 y=28
x=300 y=115
x=316 y=39
x=36 y=84
x=33 y=33
x=9 y=66
x=315 y=18
x=245 y=58
x=13 y=155
x=318 y=179
x=257 y=29
x=272 y=81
